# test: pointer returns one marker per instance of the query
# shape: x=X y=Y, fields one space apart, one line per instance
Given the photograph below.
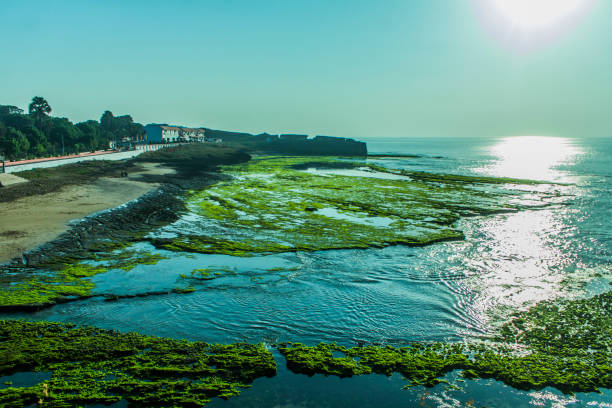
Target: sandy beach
x=31 y=221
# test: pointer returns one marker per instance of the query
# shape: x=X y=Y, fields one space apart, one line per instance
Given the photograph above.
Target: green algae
x=95 y=366
x=566 y=345
x=209 y=273
x=64 y=278
x=128 y=259
x=33 y=288
x=457 y=178
x=272 y=206
x=420 y=364
x=320 y=359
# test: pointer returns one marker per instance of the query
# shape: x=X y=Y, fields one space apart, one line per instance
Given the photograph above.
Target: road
x=14 y=167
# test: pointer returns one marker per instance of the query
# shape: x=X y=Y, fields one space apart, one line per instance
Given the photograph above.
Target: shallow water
x=446 y=291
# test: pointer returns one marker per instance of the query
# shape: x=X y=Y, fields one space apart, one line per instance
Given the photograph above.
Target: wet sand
x=29 y=222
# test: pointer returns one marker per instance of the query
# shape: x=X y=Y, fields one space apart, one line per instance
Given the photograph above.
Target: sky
x=350 y=68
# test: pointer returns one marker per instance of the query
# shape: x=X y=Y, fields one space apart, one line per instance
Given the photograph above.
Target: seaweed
x=96 y=366
x=566 y=345
x=62 y=279
x=271 y=206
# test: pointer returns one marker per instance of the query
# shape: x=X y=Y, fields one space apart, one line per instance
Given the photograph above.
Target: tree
x=14 y=144
x=136 y=131
x=90 y=134
x=18 y=121
x=107 y=121
x=79 y=148
x=34 y=136
x=39 y=108
x=9 y=110
x=64 y=134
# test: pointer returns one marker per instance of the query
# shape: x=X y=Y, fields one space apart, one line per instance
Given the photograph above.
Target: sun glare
x=527 y=25
x=532 y=157
x=537 y=13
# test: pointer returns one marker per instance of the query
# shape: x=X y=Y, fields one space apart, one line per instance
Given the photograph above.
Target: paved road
x=60 y=162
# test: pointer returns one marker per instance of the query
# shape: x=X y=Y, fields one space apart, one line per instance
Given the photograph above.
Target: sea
x=448 y=291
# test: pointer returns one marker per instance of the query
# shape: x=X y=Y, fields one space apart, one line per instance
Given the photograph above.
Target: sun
x=533 y=14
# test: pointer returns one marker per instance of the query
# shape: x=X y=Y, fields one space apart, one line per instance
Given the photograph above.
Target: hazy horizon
x=359 y=69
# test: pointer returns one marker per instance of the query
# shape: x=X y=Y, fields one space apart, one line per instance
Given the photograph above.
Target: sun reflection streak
x=518 y=262
x=521 y=258
x=532 y=157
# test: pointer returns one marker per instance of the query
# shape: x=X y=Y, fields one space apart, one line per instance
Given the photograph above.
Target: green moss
x=94 y=366
x=319 y=360
x=210 y=273
x=128 y=259
x=420 y=364
x=456 y=178
x=36 y=288
x=63 y=278
x=556 y=327
x=566 y=345
x=272 y=206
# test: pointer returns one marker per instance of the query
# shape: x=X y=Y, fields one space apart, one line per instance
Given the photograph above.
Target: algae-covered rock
x=61 y=279
x=566 y=345
x=277 y=204
x=95 y=366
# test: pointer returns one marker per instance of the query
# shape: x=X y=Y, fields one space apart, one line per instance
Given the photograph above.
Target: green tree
x=136 y=131
x=39 y=108
x=14 y=144
x=79 y=148
x=9 y=110
x=89 y=134
x=63 y=134
x=36 y=138
x=18 y=121
x=107 y=121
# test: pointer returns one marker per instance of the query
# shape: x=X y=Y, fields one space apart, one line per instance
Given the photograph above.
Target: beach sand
x=29 y=222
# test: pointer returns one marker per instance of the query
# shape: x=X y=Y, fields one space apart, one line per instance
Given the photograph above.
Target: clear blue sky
x=348 y=68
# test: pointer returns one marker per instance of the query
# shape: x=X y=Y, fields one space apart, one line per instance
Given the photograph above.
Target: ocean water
x=447 y=291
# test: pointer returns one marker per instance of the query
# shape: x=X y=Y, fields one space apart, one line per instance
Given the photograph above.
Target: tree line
x=37 y=134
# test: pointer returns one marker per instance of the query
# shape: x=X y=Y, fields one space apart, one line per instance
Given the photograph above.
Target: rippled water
x=446 y=291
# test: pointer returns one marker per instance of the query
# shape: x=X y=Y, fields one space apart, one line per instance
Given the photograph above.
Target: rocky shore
x=110 y=210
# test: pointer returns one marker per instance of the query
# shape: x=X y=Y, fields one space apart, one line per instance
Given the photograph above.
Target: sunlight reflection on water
x=521 y=259
x=514 y=261
x=532 y=157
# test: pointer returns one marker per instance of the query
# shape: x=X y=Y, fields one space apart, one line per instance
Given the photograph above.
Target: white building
x=170 y=134
x=192 y=134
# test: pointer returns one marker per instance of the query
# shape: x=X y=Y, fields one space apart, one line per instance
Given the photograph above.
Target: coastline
x=32 y=221
x=126 y=224
x=27 y=223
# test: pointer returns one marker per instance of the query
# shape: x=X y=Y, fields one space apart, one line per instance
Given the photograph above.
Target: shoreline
x=28 y=223
x=33 y=221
